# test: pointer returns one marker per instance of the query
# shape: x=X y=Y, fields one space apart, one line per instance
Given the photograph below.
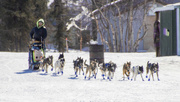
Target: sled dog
x=78 y=65
x=103 y=69
x=126 y=69
x=137 y=70
x=92 y=68
x=153 y=68
x=111 y=69
x=46 y=62
x=59 y=65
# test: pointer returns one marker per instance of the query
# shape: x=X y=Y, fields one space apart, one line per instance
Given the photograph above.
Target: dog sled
x=36 y=53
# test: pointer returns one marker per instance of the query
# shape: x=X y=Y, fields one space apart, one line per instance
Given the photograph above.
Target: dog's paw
x=43 y=70
x=148 y=79
x=146 y=76
x=158 y=79
x=107 y=77
x=76 y=75
x=128 y=78
x=131 y=79
x=51 y=69
x=89 y=78
x=62 y=72
x=142 y=79
x=58 y=72
x=85 y=77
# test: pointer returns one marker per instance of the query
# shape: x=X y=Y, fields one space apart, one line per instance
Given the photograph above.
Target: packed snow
x=18 y=84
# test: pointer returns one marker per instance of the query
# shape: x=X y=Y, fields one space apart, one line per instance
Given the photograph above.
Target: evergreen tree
x=17 y=19
x=60 y=17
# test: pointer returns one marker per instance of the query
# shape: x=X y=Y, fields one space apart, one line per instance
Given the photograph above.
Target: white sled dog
x=154 y=68
x=59 y=66
x=137 y=70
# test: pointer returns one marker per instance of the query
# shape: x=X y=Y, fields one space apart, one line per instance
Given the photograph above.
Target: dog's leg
x=79 y=70
x=142 y=77
x=150 y=75
x=135 y=76
x=86 y=72
x=127 y=75
x=112 y=75
x=46 y=68
x=123 y=74
x=109 y=74
x=147 y=71
x=157 y=76
x=132 y=76
x=103 y=74
x=90 y=73
x=52 y=67
x=94 y=74
x=153 y=76
x=62 y=70
x=59 y=68
x=83 y=70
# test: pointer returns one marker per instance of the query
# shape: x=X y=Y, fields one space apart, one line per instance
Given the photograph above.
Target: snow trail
x=17 y=83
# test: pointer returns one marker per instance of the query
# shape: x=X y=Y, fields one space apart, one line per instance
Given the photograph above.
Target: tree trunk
x=120 y=44
x=130 y=28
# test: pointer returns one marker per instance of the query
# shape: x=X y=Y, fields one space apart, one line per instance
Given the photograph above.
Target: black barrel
x=97 y=52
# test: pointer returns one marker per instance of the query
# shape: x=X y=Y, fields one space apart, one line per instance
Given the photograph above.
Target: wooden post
x=66 y=45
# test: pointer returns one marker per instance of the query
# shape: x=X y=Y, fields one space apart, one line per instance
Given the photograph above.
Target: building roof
x=167 y=7
x=136 y=3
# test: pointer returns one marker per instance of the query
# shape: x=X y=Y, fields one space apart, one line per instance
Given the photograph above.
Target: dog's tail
x=85 y=63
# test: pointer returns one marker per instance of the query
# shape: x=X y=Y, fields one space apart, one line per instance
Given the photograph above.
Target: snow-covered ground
x=18 y=84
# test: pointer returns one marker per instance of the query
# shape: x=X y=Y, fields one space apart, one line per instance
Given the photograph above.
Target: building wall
x=148 y=39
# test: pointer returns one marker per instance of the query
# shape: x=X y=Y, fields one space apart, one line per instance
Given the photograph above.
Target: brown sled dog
x=126 y=69
x=92 y=68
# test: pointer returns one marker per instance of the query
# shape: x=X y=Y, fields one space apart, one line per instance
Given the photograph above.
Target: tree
x=120 y=14
x=18 y=18
x=59 y=14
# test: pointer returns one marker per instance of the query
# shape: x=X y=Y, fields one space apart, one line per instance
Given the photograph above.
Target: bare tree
x=143 y=26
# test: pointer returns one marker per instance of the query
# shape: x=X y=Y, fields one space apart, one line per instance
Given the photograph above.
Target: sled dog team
x=107 y=69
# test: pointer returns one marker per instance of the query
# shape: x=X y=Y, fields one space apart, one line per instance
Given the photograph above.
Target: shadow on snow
x=26 y=71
